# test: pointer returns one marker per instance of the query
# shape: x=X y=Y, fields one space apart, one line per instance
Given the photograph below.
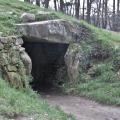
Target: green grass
x=105 y=87
x=103 y=92
x=102 y=84
x=10 y=11
x=19 y=103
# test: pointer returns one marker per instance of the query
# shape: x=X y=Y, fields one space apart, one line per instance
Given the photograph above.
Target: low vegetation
x=18 y=104
x=26 y=104
x=99 y=72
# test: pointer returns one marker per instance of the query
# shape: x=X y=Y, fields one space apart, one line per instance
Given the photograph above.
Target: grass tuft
x=14 y=103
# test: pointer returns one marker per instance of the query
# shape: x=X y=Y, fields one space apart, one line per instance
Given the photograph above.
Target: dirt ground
x=83 y=109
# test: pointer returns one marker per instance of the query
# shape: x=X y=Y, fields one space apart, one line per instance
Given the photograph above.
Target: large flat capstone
x=59 y=31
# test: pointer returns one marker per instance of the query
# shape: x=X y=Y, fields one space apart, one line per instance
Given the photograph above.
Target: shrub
x=99 y=69
x=101 y=50
x=116 y=63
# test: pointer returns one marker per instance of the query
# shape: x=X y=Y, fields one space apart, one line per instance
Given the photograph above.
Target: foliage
x=99 y=78
x=47 y=16
x=101 y=82
x=116 y=63
x=14 y=103
x=10 y=11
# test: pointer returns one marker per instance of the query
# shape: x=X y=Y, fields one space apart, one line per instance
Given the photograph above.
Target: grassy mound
x=99 y=73
x=100 y=70
x=25 y=104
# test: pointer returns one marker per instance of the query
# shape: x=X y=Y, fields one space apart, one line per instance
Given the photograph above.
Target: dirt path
x=83 y=109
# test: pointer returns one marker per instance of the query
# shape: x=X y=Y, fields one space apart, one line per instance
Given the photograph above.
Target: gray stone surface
x=72 y=60
x=27 y=17
x=58 y=31
x=19 y=41
x=12 y=66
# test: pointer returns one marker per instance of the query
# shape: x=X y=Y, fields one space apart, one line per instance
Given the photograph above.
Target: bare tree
x=88 y=10
x=46 y=2
x=96 y=12
x=105 y=19
x=118 y=5
x=103 y=9
x=38 y=2
x=98 y=2
x=77 y=8
x=55 y=5
x=83 y=9
x=89 y=5
x=61 y=5
x=113 y=16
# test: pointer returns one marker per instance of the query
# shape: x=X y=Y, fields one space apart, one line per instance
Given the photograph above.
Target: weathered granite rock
x=58 y=31
x=12 y=66
x=14 y=61
x=26 y=60
x=27 y=17
x=15 y=80
x=73 y=58
x=4 y=40
x=19 y=41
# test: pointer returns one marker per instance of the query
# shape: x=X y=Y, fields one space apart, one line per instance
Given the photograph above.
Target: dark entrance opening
x=46 y=58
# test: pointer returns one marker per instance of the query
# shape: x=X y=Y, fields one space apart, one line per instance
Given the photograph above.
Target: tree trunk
x=88 y=11
x=118 y=6
x=113 y=14
x=61 y=5
x=55 y=5
x=38 y=2
x=105 y=21
x=103 y=9
x=98 y=13
x=77 y=8
x=46 y=3
x=83 y=16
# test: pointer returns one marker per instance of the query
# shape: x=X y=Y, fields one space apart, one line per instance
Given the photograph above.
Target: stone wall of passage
x=15 y=64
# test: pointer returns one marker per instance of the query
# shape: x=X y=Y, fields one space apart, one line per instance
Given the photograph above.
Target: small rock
x=26 y=61
x=27 y=17
x=19 y=41
x=4 y=40
x=11 y=68
x=73 y=58
x=21 y=49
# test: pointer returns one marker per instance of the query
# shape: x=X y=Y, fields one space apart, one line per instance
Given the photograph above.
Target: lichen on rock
x=12 y=67
x=73 y=59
